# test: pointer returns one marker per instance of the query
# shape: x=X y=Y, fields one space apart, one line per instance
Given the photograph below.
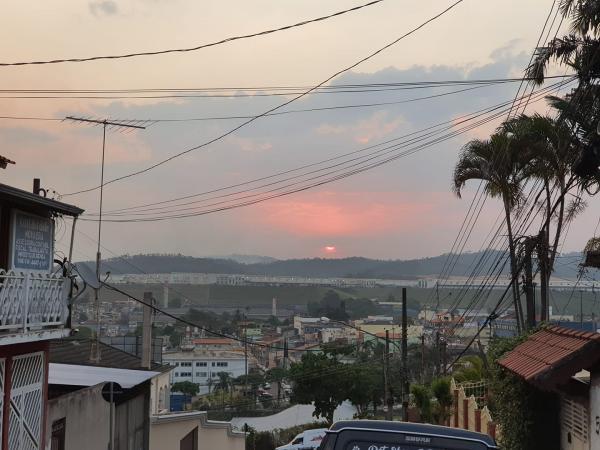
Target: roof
x=19 y=196
x=413 y=428
x=80 y=375
x=214 y=341
x=553 y=355
x=202 y=354
x=78 y=351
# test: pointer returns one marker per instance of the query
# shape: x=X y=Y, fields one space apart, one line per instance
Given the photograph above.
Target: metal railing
x=32 y=301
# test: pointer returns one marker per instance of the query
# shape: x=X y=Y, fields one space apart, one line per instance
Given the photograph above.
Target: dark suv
x=384 y=435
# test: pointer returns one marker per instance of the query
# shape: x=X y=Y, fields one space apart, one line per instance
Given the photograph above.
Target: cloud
x=333 y=214
x=103 y=7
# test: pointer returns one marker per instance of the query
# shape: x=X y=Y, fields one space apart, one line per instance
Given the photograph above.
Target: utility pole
x=581 y=308
x=444 y=357
x=528 y=285
x=422 y=359
x=387 y=400
x=95 y=348
x=405 y=389
x=542 y=252
x=147 y=331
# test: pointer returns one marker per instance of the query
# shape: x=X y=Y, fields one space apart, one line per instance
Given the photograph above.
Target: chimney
x=36 y=186
x=147 y=331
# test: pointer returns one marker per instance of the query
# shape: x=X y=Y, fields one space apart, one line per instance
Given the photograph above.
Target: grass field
x=214 y=295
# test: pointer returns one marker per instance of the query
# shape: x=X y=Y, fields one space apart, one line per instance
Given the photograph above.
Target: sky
x=401 y=210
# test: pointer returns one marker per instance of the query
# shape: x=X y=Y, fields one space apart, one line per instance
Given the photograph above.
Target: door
x=190 y=441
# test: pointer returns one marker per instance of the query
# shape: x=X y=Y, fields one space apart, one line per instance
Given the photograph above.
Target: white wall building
x=201 y=367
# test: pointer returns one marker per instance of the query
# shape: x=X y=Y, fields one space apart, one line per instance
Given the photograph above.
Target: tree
x=224 y=382
x=498 y=162
x=422 y=398
x=440 y=389
x=312 y=385
x=549 y=147
x=185 y=387
x=578 y=50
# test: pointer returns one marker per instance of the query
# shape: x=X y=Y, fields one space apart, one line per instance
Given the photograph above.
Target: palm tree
x=549 y=146
x=578 y=49
x=497 y=162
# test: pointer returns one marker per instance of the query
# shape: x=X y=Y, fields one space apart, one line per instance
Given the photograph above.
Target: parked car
x=384 y=435
x=266 y=386
x=307 y=440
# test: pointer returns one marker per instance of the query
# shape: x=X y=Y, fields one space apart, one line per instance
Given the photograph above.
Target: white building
x=202 y=367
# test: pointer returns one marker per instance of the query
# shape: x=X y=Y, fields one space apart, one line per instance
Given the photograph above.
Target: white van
x=309 y=440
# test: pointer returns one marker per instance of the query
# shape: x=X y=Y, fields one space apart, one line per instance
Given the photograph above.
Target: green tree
x=440 y=389
x=422 y=399
x=469 y=368
x=498 y=162
x=224 y=382
x=185 y=387
x=319 y=379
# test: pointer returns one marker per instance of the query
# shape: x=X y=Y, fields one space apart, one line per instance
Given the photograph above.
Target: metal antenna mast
x=95 y=348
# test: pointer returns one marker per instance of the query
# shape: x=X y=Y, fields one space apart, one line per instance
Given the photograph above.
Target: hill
x=355 y=267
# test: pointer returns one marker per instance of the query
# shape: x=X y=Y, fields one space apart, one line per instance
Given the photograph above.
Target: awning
x=76 y=375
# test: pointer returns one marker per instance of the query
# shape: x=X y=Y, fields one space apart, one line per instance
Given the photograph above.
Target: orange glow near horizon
x=330 y=249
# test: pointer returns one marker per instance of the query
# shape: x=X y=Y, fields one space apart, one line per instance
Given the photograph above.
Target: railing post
x=25 y=310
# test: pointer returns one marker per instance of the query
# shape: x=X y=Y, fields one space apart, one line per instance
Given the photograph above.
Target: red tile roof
x=553 y=355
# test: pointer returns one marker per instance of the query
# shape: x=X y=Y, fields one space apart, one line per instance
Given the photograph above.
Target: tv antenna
x=120 y=125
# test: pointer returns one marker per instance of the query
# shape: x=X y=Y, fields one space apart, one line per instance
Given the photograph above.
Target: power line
x=195 y=48
x=249 y=121
x=420 y=136
x=368 y=163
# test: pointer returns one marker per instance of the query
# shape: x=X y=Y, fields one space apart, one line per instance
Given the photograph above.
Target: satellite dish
x=86 y=274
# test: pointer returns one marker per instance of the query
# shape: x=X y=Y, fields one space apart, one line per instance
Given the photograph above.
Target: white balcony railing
x=32 y=301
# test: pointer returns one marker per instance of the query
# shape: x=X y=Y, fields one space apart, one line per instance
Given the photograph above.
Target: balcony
x=33 y=306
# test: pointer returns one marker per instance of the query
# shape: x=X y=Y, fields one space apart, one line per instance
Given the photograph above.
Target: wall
x=87 y=419
x=595 y=410
x=467 y=414
x=160 y=393
x=167 y=430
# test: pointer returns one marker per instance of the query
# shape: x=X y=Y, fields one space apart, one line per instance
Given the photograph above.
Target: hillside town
x=398 y=312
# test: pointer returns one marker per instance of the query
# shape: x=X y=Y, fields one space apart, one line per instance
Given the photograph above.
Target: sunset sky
x=401 y=210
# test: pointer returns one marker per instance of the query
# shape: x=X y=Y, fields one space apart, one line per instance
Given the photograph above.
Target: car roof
x=407 y=427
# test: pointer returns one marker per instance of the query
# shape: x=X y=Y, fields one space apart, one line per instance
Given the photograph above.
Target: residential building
x=34 y=308
x=562 y=367
x=215 y=343
x=202 y=366
x=79 y=412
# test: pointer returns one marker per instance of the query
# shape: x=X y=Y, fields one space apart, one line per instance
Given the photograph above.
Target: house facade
x=34 y=308
x=202 y=367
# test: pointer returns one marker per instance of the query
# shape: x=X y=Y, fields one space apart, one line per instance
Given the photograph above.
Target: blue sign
x=32 y=243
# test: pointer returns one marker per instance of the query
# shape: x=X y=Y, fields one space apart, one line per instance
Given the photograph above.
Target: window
x=201 y=374
x=177 y=364
x=214 y=375
x=213 y=364
x=222 y=364
x=201 y=364
x=57 y=441
x=298 y=440
x=186 y=364
x=185 y=374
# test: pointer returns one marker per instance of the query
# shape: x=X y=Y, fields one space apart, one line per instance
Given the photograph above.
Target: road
x=295 y=415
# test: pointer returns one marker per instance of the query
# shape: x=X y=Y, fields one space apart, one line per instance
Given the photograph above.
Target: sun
x=330 y=249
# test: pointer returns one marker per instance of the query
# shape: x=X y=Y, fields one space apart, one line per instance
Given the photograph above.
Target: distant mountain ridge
x=354 y=267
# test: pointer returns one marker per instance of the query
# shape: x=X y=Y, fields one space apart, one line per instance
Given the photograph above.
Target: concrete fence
x=467 y=412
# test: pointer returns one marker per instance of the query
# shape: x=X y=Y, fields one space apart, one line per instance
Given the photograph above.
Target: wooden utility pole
x=405 y=389
x=422 y=359
x=388 y=401
x=147 y=331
